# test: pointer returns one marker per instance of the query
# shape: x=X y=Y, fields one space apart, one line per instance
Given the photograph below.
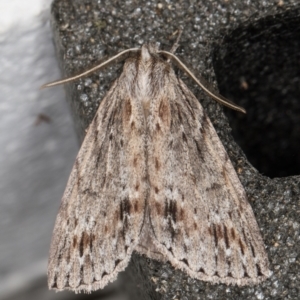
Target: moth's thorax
x=146 y=64
x=147 y=76
x=150 y=77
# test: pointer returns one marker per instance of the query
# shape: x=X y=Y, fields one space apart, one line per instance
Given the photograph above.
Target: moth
x=152 y=176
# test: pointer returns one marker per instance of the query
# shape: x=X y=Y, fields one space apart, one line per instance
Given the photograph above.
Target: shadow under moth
x=152 y=176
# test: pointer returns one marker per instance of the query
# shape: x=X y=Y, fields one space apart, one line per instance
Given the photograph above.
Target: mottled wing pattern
x=102 y=209
x=199 y=216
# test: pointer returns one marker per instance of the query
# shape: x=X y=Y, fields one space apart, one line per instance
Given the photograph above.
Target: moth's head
x=148 y=50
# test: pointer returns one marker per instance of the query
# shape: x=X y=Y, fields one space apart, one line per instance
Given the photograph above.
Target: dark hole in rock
x=258 y=67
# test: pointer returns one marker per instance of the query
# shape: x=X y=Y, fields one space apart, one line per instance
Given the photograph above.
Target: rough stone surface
x=249 y=49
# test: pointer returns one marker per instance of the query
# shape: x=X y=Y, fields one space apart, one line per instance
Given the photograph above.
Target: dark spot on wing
x=181 y=215
x=127 y=110
x=252 y=250
x=84 y=242
x=54 y=284
x=68 y=256
x=158 y=208
x=157 y=164
x=81 y=276
x=201 y=270
x=166 y=209
x=241 y=208
x=202 y=130
x=117 y=262
x=199 y=150
x=195 y=211
x=75 y=242
x=156 y=190
x=173 y=210
x=195 y=226
x=214 y=186
x=137 y=186
x=171 y=229
x=60 y=250
x=184 y=137
x=104 y=274
x=171 y=250
x=226 y=237
x=125 y=227
x=87 y=260
x=163 y=111
x=219 y=232
x=125 y=208
x=258 y=269
x=185 y=249
x=145 y=178
x=132 y=125
x=67 y=280
x=244 y=235
x=170 y=210
x=157 y=127
x=242 y=246
x=104 y=174
x=110 y=136
x=228 y=263
x=135 y=161
x=121 y=143
x=136 y=206
x=233 y=233
x=185 y=262
x=245 y=272
x=215 y=234
x=111 y=118
x=179 y=113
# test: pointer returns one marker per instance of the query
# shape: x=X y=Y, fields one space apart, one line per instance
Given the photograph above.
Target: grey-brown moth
x=152 y=176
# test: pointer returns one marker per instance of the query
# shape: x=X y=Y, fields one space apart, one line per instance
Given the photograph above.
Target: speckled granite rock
x=250 y=51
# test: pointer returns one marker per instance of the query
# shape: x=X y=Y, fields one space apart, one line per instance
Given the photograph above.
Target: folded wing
x=102 y=209
x=199 y=216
